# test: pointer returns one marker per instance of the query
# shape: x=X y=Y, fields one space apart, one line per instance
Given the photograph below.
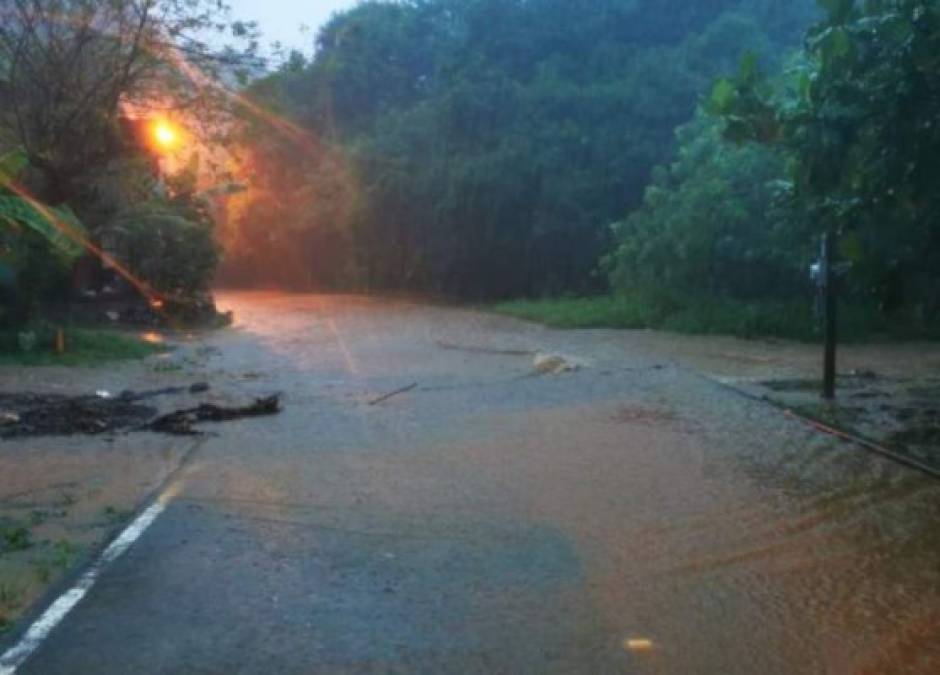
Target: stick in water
x=403 y=390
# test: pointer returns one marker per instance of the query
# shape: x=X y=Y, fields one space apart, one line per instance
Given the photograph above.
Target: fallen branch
x=397 y=392
x=180 y=423
x=198 y=388
x=473 y=349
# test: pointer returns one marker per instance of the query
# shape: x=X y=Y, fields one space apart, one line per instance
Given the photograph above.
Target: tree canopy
x=491 y=142
x=858 y=122
x=77 y=77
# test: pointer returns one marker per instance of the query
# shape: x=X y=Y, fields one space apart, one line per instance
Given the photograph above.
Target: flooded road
x=626 y=515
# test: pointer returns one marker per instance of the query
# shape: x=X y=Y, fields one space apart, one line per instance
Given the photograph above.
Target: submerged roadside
x=426 y=449
x=68 y=486
x=767 y=351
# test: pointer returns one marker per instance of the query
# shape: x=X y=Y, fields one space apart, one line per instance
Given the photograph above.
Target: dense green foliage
x=165 y=240
x=79 y=79
x=706 y=314
x=859 y=126
x=671 y=311
x=713 y=221
x=491 y=142
x=35 y=251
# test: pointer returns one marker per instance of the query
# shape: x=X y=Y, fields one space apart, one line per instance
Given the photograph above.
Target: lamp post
x=830 y=324
x=826 y=273
x=165 y=137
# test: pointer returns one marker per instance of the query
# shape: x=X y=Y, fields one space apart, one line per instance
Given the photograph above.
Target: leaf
x=750 y=68
x=59 y=227
x=833 y=44
x=722 y=98
x=805 y=87
x=11 y=164
x=839 y=10
x=851 y=249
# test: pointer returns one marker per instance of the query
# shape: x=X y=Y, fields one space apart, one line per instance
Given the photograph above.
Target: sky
x=281 y=20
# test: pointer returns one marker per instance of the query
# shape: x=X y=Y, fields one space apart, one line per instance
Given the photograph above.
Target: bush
x=37 y=247
x=714 y=220
x=173 y=255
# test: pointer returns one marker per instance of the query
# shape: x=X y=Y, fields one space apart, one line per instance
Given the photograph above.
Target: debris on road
x=554 y=364
x=197 y=388
x=7 y=418
x=392 y=394
x=474 y=349
x=180 y=422
x=58 y=415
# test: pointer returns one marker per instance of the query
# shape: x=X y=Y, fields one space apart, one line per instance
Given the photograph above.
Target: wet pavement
x=626 y=515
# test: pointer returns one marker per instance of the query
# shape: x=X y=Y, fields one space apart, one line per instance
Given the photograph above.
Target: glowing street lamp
x=166 y=136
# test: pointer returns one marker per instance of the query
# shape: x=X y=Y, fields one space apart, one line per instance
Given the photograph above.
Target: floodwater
x=625 y=514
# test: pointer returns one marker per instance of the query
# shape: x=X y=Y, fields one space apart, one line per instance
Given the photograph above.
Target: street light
x=166 y=135
x=164 y=138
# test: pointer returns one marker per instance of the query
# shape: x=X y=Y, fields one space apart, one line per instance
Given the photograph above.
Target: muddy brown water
x=624 y=516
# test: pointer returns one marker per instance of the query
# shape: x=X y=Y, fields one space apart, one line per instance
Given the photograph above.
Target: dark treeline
x=483 y=148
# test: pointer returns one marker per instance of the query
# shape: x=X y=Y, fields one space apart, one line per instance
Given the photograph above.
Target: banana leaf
x=59 y=226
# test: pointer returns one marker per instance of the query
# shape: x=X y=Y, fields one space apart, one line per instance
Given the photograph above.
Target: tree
x=37 y=245
x=860 y=125
x=714 y=221
x=70 y=68
x=491 y=142
x=77 y=77
x=289 y=226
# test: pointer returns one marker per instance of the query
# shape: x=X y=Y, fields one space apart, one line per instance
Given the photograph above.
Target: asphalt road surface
x=628 y=516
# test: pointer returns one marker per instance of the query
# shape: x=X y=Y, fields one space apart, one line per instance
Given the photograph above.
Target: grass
x=11 y=597
x=84 y=347
x=14 y=537
x=794 y=320
x=11 y=600
x=115 y=516
x=55 y=559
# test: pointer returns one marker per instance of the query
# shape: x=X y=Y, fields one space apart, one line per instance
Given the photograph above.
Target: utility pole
x=827 y=280
x=825 y=272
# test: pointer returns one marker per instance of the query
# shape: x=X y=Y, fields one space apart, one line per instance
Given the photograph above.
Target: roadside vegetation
x=493 y=150
x=35 y=346
x=104 y=206
x=37 y=549
x=482 y=150
x=705 y=315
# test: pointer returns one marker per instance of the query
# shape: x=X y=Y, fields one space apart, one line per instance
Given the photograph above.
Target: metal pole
x=829 y=309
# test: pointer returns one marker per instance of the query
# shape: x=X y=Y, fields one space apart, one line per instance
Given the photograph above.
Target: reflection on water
x=835 y=568
x=152 y=337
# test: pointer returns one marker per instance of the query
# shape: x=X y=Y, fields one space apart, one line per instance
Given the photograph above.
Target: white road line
x=52 y=617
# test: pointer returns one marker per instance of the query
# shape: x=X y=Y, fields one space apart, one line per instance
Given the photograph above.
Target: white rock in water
x=553 y=364
x=8 y=418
